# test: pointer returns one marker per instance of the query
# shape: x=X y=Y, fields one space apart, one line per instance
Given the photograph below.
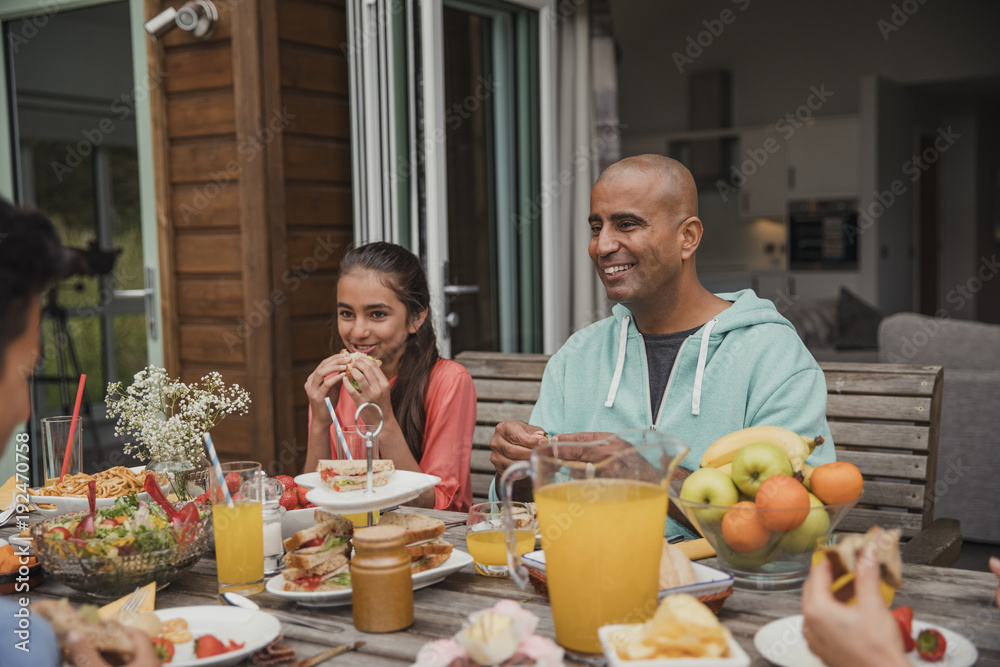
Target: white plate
x=737 y=656
x=310 y=480
x=67 y=504
x=403 y=486
x=455 y=562
x=256 y=628
x=708 y=580
x=292 y=521
x=782 y=643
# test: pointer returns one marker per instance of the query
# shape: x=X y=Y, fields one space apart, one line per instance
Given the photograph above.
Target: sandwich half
x=844 y=554
x=348 y=373
x=318 y=557
x=341 y=475
x=423 y=539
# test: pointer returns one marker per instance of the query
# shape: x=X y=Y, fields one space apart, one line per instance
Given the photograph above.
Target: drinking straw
x=72 y=426
x=218 y=469
x=340 y=433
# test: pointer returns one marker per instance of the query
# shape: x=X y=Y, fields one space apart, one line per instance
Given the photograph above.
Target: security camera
x=198 y=17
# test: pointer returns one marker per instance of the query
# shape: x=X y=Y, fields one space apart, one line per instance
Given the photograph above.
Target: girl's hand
x=320 y=386
x=373 y=386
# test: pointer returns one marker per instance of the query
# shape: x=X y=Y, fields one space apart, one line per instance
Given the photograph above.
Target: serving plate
x=403 y=486
x=708 y=580
x=67 y=504
x=255 y=628
x=782 y=643
x=276 y=585
x=737 y=656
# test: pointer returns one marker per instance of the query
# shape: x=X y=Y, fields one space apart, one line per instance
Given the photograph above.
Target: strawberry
x=931 y=645
x=233 y=646
x=233 y=482
x=289 y=500
x=309 y=506
x=164 y=649
x=287 y=482
x=207 y=646
x=904 y=617
x=301 y=492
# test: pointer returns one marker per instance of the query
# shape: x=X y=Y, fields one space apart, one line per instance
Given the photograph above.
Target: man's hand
x=82 y=651
x=513 y=441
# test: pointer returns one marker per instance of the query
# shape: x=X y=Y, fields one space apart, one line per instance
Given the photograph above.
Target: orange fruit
x=742 y=528
x=837 y=482
x=787 y=501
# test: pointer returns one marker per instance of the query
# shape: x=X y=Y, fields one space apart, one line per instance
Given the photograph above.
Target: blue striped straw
x=340 y=433
x=218 y=469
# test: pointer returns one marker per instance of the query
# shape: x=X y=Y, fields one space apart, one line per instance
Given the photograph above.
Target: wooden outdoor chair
x=884 y=419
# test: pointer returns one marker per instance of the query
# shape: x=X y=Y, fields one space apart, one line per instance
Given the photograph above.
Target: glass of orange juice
x=602 y=510
x=239 y=528
x=484 y=536
x=354 y=438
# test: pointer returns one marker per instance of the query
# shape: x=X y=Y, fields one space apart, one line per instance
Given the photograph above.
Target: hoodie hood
x=747 y=310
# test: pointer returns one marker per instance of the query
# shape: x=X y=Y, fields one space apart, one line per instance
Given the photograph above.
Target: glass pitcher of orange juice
x=602 y=508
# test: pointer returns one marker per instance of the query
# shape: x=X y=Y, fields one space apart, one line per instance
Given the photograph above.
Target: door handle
x=455 y=290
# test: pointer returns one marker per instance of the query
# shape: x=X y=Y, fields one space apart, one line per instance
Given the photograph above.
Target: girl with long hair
x=428 y=403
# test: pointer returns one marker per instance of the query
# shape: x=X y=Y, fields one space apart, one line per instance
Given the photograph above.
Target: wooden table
x=958 y=599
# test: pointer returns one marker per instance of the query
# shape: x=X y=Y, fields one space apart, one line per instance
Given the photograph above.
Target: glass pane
x=130 y=345
x=78 y=336
x=468 y=68
x=126 y=222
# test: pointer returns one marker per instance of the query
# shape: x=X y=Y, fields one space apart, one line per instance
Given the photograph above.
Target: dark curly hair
x=402 y=273
x=29 y=255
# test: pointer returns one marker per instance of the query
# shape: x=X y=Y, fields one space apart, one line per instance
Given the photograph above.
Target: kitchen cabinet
x=822 y=159
x=762 y=164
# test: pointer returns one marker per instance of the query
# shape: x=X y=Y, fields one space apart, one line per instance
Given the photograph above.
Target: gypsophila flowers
x=169 y=418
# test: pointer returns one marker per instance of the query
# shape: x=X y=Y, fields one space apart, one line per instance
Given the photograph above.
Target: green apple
x=803 y=538
x=710 y=486
x=755 y=463
x=750 y=561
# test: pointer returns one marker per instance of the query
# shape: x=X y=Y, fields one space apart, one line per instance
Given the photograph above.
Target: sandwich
x=354 y=356
x=675 y=567
x=843 y=556
x=318 y=558
x=349 y=475
x=423 y=539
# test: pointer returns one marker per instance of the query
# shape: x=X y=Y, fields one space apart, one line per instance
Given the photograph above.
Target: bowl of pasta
x=129 y=544
x=70 y=493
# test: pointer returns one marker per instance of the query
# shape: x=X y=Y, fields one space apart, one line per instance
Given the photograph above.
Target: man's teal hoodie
x=744 y=367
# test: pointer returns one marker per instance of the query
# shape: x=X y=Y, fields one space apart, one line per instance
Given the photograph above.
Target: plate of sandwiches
x=317 y=558
x=339 y=485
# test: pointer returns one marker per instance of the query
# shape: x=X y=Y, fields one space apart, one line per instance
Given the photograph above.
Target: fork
x=134 y=600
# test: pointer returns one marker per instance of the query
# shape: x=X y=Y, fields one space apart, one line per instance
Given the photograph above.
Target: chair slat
x=482 y=435
x=860 y=519
x=879 y=384
x=893 y=494
x=498 y=412
x=506 y=390
x=481 y=486
x=884 y=436
x=877 y=464
x=886 y=408
x=499 y=365
x=481 y=461
x=866 y=367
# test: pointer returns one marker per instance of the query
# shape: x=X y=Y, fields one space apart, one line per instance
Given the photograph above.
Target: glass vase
x=183 y=479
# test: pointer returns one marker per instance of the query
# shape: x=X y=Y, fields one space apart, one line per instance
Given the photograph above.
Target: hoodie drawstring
x=702 y=359
x=622 y=339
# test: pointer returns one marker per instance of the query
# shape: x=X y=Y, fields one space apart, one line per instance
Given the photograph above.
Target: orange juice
x=360 y=520
x=602 y=540
x=239 y=546
x=487 y=547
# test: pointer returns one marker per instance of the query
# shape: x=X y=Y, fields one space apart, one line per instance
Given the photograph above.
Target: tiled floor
x=976 y=555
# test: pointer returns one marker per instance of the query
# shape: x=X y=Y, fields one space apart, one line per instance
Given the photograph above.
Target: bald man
x=673 y=356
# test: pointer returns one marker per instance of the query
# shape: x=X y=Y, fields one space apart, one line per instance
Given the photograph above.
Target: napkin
x=110 y=610
x=7 y=493
x=696 y=549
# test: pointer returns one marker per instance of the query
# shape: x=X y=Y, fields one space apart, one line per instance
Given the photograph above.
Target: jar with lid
x=381 y=582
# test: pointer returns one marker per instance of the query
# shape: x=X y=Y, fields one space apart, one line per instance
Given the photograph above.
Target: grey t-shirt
x=661 y=351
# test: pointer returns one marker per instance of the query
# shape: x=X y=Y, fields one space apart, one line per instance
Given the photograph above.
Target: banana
x=724 y=450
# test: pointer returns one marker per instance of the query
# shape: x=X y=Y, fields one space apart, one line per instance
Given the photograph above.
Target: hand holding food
x=513 y=441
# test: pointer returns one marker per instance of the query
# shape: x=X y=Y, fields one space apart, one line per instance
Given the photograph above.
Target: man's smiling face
x=635 y=243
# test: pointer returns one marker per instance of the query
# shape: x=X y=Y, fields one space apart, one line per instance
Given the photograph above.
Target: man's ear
x=689 y=234
x=414 y=324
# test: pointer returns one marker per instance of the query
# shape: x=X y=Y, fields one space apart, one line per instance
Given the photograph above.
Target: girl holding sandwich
x=428 y=403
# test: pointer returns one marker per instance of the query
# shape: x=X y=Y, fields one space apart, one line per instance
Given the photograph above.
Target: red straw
x=72 y=426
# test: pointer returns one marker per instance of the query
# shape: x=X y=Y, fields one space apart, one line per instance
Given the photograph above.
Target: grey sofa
x=969 y=445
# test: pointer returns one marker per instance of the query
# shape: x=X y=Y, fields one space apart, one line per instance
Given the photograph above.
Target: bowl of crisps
x=70 y=493
x=682 y=633
x=758 y=556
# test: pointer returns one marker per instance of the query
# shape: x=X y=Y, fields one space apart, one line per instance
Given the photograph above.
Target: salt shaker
x=381 y=583
x=274 y=550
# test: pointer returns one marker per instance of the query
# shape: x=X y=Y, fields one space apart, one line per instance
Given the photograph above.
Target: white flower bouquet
x=169 y=418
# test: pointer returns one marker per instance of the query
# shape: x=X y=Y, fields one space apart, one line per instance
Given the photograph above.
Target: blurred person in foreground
x=29 y=256
x=862 y=635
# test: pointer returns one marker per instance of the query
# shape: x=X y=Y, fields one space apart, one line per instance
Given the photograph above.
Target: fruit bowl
x=757 y=557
